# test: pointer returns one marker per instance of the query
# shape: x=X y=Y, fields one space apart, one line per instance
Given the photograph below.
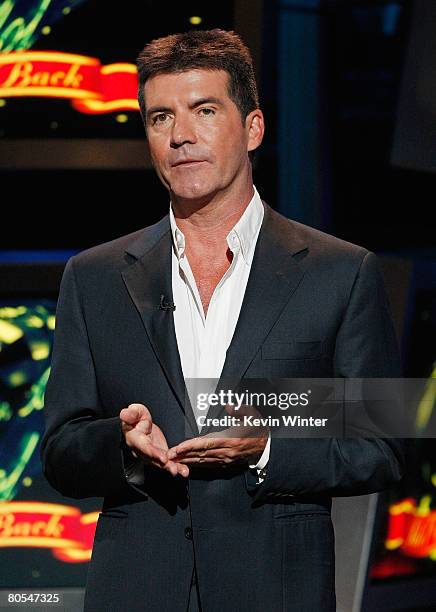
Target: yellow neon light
x=40 y=507
x=120 y=67
x=78 y=554
x=112 y=105
x=89 y=518
x=425 y=406
x=34 y=321
x=424 y=506
x=39 y=350
x=39 y=541
x=394 y=543
x=9 y=332
x=49 y=92
x=17 y=378
x=12 y=311
x=52 y=56
x=92 y=101
x=405 y=506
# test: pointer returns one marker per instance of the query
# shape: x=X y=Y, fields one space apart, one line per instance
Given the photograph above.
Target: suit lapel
x=146 y=280
x=274 y=277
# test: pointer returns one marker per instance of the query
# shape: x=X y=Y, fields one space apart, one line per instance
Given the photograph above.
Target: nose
x=182 y=132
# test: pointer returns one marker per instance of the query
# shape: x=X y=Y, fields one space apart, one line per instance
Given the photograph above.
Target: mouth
x=189 y=163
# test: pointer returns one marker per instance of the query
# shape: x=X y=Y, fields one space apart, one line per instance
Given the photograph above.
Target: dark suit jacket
x=315 y=306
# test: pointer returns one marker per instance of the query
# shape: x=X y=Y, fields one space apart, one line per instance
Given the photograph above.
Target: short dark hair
x=208 y=49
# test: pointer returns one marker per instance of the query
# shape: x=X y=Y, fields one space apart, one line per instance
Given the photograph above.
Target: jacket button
x=188 y=533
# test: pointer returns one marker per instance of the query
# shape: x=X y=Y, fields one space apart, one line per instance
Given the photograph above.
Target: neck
x=217 y=215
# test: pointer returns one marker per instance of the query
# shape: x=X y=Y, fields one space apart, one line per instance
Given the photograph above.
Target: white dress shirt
x=203 y=340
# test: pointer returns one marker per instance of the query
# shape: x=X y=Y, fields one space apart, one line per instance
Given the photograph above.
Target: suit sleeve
x=82 y=449
x=366 y=347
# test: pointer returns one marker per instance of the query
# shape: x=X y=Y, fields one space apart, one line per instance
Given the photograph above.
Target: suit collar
x=148 y=238
x=279 y=228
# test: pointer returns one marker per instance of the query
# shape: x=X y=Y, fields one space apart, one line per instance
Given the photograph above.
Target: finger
x=144 y=426
x=177 y=468
x=129 y=415
x=141 y=409
x=194 y=444
x=158 y=454
x=183 y=470
x=156 y=464
x=151 y=452
x=129 y=420
x=134 y=413
x=171 y=467
x=216 y=452
x=194 y=461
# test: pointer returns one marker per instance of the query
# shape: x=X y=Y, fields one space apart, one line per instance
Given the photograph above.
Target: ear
x=255 y=126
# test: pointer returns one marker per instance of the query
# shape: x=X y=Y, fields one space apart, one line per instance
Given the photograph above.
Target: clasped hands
x=218 y=449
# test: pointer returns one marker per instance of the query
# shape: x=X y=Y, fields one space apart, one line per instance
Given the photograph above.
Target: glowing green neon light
x=18 y=34
x=8 y=482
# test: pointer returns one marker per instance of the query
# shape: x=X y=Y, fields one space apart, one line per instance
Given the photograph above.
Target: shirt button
x=188 y=533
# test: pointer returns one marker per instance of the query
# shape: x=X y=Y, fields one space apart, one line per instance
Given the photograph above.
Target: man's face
x=198 y=143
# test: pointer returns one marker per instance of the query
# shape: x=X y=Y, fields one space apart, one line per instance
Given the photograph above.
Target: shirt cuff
x=262 y=463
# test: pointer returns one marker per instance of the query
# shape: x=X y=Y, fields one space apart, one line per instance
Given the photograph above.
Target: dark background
x=363 y=50
x=358 y=86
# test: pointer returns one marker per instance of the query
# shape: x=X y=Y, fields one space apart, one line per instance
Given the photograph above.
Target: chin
x=195 y=191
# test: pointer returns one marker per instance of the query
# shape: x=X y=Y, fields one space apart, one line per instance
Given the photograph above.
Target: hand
x=146 y=440
x=237 y=444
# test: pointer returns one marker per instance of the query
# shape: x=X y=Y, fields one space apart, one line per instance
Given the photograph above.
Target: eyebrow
x=200 y=102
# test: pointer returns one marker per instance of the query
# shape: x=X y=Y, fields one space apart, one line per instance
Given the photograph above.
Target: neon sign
x=412 y=528
x=91 y=87
x=64 y=529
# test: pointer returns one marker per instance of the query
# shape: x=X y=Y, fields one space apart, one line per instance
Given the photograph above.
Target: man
x=222 y=286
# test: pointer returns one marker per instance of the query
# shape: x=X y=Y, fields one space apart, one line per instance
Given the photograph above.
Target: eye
x=160 y=118
x=207 y=112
